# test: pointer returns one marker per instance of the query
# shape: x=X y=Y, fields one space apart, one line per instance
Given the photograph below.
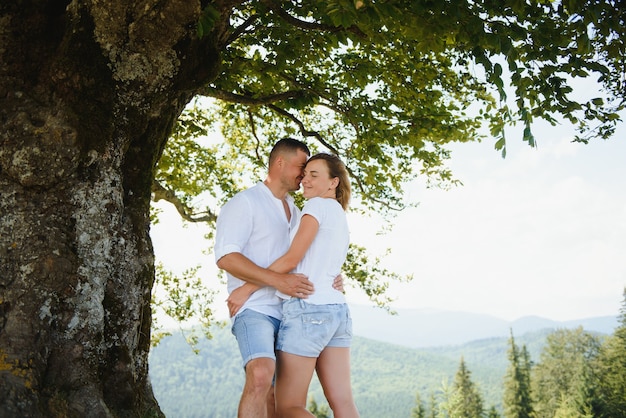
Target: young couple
x=301 y=318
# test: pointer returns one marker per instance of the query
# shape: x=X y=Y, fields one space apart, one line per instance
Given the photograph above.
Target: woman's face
x=317 y=182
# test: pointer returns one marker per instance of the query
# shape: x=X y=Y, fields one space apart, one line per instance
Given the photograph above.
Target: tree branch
x=247 y=99
x=258 y=142
x=241 y=29
x=307 y=133
x=331 y=102
x=310 y=26
x=161 y=193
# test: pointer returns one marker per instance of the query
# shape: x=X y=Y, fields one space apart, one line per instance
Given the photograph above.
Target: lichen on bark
x=85 y=113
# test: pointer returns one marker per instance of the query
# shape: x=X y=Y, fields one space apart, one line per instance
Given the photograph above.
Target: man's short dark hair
x=288 y=145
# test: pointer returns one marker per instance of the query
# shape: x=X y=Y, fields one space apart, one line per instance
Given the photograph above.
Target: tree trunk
x=89 y=91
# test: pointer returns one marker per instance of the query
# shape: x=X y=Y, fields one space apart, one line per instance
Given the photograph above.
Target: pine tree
x=568 y=409
x=434 y=407
x=465 y=400
x=563 y=377
x=612 y=369
x=517 y=396
x=419 y=411
x=493 y=413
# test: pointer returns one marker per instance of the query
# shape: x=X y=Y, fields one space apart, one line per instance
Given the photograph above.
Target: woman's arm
x=239 y=296
x=301 y=242
x=286 y=263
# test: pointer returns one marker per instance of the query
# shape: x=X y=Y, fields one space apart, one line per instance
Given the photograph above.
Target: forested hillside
x=386 y=377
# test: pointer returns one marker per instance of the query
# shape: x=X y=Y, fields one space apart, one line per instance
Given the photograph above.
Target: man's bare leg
x=256 y=391
x=271 y=404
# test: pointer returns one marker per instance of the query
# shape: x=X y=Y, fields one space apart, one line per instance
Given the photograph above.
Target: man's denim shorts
x=307 y=329
x=256 y=335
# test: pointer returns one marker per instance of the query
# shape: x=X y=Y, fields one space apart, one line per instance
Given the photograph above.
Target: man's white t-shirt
x=254 y=223
x=325 y=257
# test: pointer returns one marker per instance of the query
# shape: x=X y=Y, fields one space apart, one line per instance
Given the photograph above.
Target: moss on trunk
x=89 y=92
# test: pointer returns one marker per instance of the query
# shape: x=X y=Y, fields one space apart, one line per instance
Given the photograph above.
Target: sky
x=539 y=233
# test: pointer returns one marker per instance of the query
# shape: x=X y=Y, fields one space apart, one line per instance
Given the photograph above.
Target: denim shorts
x=307 y=329
x=256 y=335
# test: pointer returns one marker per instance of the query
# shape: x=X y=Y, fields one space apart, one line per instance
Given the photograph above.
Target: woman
x=315 y=333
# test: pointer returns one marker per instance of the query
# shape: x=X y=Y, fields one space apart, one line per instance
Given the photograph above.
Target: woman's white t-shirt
x=323 y=260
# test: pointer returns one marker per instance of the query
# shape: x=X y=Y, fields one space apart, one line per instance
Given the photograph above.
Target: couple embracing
x=289 y=315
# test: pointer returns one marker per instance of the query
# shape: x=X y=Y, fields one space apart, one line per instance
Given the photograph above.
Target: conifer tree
x=612 y=369
x=493 y=412
x=568 y=409
x=434 y=407
x=419 y=411
x=466 y=401
x=563 y=377
x=517 y=396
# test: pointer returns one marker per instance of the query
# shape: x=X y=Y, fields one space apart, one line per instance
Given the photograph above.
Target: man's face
x=292 y=170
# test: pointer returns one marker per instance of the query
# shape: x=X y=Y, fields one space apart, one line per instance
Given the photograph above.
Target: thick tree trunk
x=89 y=91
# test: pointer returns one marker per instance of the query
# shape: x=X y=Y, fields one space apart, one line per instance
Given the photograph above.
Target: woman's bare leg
x=333 y=370
x=293 y=377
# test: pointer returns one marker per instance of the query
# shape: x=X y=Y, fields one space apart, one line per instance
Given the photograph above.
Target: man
x=253 y=230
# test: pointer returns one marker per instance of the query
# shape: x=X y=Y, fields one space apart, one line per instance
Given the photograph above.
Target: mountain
x=421 y=353
x=386 y=377
x=429 y=328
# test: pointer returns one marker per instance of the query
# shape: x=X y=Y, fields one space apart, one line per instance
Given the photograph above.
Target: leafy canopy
x=387 y=85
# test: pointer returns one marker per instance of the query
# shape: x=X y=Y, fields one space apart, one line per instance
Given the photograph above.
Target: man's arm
x=291 y=284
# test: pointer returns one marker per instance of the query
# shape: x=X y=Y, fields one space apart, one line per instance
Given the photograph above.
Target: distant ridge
x=418 y=328
x=412 y=352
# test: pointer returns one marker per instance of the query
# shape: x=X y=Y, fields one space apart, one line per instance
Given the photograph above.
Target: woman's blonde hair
x=336 y=168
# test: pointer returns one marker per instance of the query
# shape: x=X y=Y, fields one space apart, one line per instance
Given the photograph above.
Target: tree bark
x=89 y=91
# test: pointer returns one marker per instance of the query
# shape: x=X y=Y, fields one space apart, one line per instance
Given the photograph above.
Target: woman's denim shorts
x=307 y=329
